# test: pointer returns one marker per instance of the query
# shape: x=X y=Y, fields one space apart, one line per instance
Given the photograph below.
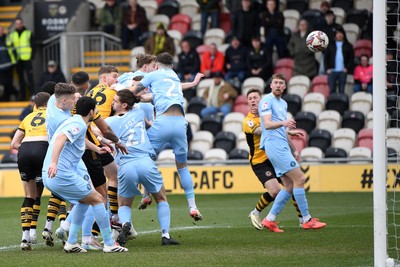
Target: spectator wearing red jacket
x=363 y=76
x=212 y=61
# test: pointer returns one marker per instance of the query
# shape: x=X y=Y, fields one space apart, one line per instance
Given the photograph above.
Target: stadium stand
x=363 y=47
x=195 y=155
x=292 y=17
x=215 y=154
x=225 y=140
x=338 y=102
x=393 y=138
x=151 y=8
x=300 y=142
x=252 y=82
x=202 y=141
x=365 y=137
x=340 y=15
x=238 y=154
x=335 y=152
x=344 y=4
x=306 y=121
x=361 y=101
x=320 y=84
x=313 y=102
x=329 y=120
x=311 y=154
x=233 y=123
x=344 y=138
x=180 y=22
x=214 y=35
x=299 y=85
x=194 y=120
x=166 y=156
x=196 y=104
x=169 y=8
x=360 y=153
x=189 y=7
x=320 y=138
x=158 y=18
x=294 y=103
x=353 y=119
x=211 y=123
x=284 y=66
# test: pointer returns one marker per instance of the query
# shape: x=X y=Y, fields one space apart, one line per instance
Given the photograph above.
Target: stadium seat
x=203 y=85
x=166 y=156
x=225 y=140
x=241 y=142
x=202 y=141
x=289 y=115
x=370 y=119
x=298 y=5
x=169 y=8
x=252 y=82
x=340 y=15
x=395 y=119
x=240 y=105
x=361 y=101
x=360 y=153
x=134 y=52
x=352 y=32
x=194 y=37
x=292 y=17
x=222 y=48
x=313 y=102
x=314 y=4
x=233 y=122
x=306 y=121
x=225 y=22
x=353 y=119
x=393 y=138
x=196 y=104
x=194 y=155
x=311 y=154
x=238 y=154
x=320 y=138
x=196 y=22
x=214 y=35
x=300 y=142
x=215 y=154
x=344 y=138
x=392 y=154
x=159 y=18
x=180 y=22
x=177 y=36
x=338 y=102
x=320 y=84
x=299 y=85
x=391 y=102
x=194 y=120
x=189 y=7
x=329 y=120
x=357 y=16
x=365 y=137
x=344 y=4
x=349 y=86
x=363 y=47
x=211 y=123
x=335 y=152
x=151 y=8
x=363 y=4
x=294 y=103
x=284 y=66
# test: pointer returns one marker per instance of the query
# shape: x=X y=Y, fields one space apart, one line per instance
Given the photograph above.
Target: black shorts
x=94 y=167
x=30 y=160
x=106 y=158
x=265 y=172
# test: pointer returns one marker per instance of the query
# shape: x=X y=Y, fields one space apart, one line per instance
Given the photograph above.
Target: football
x=317 y=41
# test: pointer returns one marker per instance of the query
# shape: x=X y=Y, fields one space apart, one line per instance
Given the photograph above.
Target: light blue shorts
x=281 y=157
x=139 y=171
x=170 y=129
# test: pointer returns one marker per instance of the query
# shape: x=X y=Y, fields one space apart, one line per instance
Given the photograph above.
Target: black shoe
x=169 y=241
x=123 y=236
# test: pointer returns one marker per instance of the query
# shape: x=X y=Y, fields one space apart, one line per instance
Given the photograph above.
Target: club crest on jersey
x=250 y=123
x=75 y=130
x=264 y=106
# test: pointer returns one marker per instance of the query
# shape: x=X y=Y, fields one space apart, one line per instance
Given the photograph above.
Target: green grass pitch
x=224 y=238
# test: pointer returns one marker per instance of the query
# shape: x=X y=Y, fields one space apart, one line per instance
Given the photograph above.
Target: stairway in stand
x=8 y=15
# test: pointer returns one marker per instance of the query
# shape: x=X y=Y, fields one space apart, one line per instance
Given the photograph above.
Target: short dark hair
x=107 y=69
x=48 y=87
x=41 y=99
x=64 y=89
x=141 y=60
x=254 y=90
x=278 y=76
x=84 y=105
x=164 y=58
x=127 y=97
x=138 y=78
x=80 y=78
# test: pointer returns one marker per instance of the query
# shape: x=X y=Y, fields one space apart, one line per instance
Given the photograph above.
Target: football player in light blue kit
x=170 y=124
x=61 y=175
x=137 y=167
x=274 y=140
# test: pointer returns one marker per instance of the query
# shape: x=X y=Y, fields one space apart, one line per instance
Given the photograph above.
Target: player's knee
x=180 y=165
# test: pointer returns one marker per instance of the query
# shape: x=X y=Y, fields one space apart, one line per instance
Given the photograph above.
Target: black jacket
x=245 y=25
x=188 y=63
x=56 y=77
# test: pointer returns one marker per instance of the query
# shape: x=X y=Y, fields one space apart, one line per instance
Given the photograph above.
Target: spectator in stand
x=110 y=18
x=339 y=61
x=392 y=77
x=209 y=8
x=27 y=110
x=134 y=24
x=235 y=58
x=7 y=61
x=188 y=62
x=363 y=75
x=273 y=22
x=245 y=23
x=212 y=61
x=258 y=62
x=328 y=26
x=53 y=73
x=232 y=5
x=219 y=97
x=319 y=21
x=304 y=59
x=160 y=42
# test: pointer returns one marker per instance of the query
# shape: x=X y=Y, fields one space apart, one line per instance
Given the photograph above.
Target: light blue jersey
x=148 y=110
x=139 y=73
x=166 y=88
x=54 y=116
x=274 y=141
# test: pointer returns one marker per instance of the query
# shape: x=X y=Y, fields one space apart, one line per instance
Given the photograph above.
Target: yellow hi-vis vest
x=10 y=49
x=22 y=44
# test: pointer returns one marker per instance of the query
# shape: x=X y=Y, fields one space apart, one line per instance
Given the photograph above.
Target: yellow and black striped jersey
x=250 y=123
x=104 y=97
x=34 y=124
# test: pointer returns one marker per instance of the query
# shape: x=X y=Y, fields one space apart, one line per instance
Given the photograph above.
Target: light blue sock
x=87 y=224
x=76 y=223
x=300 y=196
x=125 y=214
x=280 y=202
x=102 y=219
x=186 y=182
x=164 y=216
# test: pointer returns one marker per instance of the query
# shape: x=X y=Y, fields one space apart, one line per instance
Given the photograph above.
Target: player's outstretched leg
x=187 y=185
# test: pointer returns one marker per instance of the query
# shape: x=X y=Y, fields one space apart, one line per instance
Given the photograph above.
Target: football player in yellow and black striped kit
x=31 y=142
x=259 y=161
